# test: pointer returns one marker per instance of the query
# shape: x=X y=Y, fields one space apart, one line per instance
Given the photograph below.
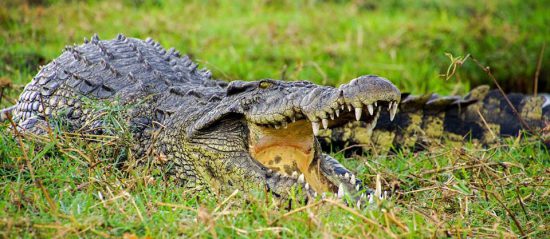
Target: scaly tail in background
x=484 y=116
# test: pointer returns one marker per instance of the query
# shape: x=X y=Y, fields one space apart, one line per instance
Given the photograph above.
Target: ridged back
x=122 y=69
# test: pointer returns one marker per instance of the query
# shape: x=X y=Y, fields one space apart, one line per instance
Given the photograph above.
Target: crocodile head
x=281 y=119
x=284 y=117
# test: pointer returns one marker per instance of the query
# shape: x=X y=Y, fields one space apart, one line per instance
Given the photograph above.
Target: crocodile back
x=124 y=69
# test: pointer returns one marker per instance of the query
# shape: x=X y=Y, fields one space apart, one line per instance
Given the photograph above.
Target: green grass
x=67 y=187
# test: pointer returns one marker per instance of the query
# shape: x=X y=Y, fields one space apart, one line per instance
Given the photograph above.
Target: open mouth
x=288 y=145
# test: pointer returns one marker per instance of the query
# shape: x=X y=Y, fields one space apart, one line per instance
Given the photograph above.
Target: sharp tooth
x=357 y=187
x=376 y=117
x=374 y=121
x=301 y=178
x=375 y=103
x=358 y=112
x=325 y=123
x=277 y=126
x=294 y=174
x=337 y=111
x=352 y=180
x=315 y=125
x=371 y=199
x=332 y=115
x=341 y=191
x=359 y=204
x=371 y=109
x=346 y=176
x=389 y=106
x=323 y=195
x=393 y=111
x=342 y=107
x=314 y=194
x=307 y=186
x=349 y=108
x=293 y=119
x=285 y=124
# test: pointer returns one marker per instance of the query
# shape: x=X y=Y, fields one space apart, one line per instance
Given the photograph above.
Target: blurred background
x=415 y=44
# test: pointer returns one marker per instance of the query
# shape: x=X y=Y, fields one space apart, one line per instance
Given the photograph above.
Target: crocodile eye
x=265 y=84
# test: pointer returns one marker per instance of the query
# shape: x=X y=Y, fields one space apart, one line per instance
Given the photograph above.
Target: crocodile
x=217 y=136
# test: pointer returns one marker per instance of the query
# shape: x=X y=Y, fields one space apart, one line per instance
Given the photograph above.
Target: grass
x=64 y=186
x=67 y=186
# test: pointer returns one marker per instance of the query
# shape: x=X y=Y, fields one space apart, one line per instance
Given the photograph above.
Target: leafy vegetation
x=63 y=185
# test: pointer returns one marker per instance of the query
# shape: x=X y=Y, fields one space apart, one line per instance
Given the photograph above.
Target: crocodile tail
x=6 y=113
x=483 y=116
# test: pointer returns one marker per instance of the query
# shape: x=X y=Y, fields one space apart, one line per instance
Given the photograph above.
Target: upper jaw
x=361 y=99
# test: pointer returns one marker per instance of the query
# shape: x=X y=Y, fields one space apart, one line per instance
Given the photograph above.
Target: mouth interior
x=290 y=149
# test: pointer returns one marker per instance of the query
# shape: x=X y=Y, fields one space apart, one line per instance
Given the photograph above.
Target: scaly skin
x=204 y=133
